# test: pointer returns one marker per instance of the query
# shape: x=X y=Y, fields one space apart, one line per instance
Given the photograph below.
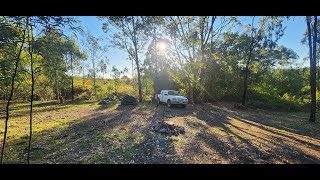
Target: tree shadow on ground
x=282 y=121
x=237 y=147
x=105 y=138
x=125 y=136
x=43 y=107
x=108 y=105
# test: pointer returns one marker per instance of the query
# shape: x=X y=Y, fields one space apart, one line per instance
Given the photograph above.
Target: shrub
x=261 y=99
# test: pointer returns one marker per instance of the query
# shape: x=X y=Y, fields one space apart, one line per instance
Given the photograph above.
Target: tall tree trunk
x=11 y=94
x=57 y=90
x=205 y=36
x=245 y=82
x=32 y=95
x=314 y=75
x=56 y=83
x=132 y=79
x=31 y=106
x=83 y=75
x=94 y=76
x=155 y=81
x=143 y=82
x=135 y=43
x=72 y=88
x=146 y=84
x=313 y=64
x=245 y=85
x=318 y=72
x=139 y=81
x=194 y=88
x=201 y=75
x=191 y=100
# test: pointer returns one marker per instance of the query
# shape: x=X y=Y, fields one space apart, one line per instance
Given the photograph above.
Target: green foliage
x=212 y=69
x=260 y=98
x=50 y=49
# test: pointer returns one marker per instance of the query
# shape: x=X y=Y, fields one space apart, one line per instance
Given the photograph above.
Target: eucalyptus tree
x=155 y=31
x=9 y=37
x=19 y=43
x=157 y=63
x=265 y=36
x=47 y=24
x=25 y=44
x=94 y=49
x=52 y=47
x=312 y=39
x=116 y=75
x=75 y=56
x=130 y=37
x=193 y=38
x=103 y=66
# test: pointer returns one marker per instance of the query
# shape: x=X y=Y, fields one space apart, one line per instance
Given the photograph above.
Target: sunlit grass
x=84 y=132
x=49 y=146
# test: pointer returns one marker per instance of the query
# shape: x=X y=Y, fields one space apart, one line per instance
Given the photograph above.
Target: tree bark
x=195 y=88
x=11 y=94
x=245 y=85
x=83 y=75
x=72 y=88
x=204 y=42
x=32 y=95
x=155 y=81
x=245 y=82
x=312 y=54
x=191 y=100
x=57 y=89
x=139 y=81
x=31 y=106
x=314 y=75
x=137 y=59
x=94 y=76
x=318 y=71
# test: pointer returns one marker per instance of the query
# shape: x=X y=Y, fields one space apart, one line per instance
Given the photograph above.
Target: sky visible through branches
x=293 y=34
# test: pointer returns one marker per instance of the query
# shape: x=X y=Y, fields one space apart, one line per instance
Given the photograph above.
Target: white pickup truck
x=171 y=97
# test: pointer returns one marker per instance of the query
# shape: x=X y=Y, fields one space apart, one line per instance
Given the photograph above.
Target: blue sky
x=293 y=35
x=116 y=57
x=291 y=39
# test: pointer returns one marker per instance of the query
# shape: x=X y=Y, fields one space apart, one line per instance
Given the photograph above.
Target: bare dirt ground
x=214 y=133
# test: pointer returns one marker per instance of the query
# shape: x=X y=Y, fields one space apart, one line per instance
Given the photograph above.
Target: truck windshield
x=173 y=92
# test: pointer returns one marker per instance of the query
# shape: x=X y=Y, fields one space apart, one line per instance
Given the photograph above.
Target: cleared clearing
x=84 y=132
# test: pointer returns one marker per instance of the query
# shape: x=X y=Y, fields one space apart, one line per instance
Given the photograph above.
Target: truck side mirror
x=165 y=94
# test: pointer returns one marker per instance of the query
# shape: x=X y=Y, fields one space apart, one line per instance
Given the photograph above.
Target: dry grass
x=84 y=132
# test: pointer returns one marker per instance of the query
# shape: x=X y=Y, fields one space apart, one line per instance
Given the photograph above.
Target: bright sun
x=162 y=46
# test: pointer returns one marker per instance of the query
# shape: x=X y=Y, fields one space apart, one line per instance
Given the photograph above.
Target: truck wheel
x=169 y=103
